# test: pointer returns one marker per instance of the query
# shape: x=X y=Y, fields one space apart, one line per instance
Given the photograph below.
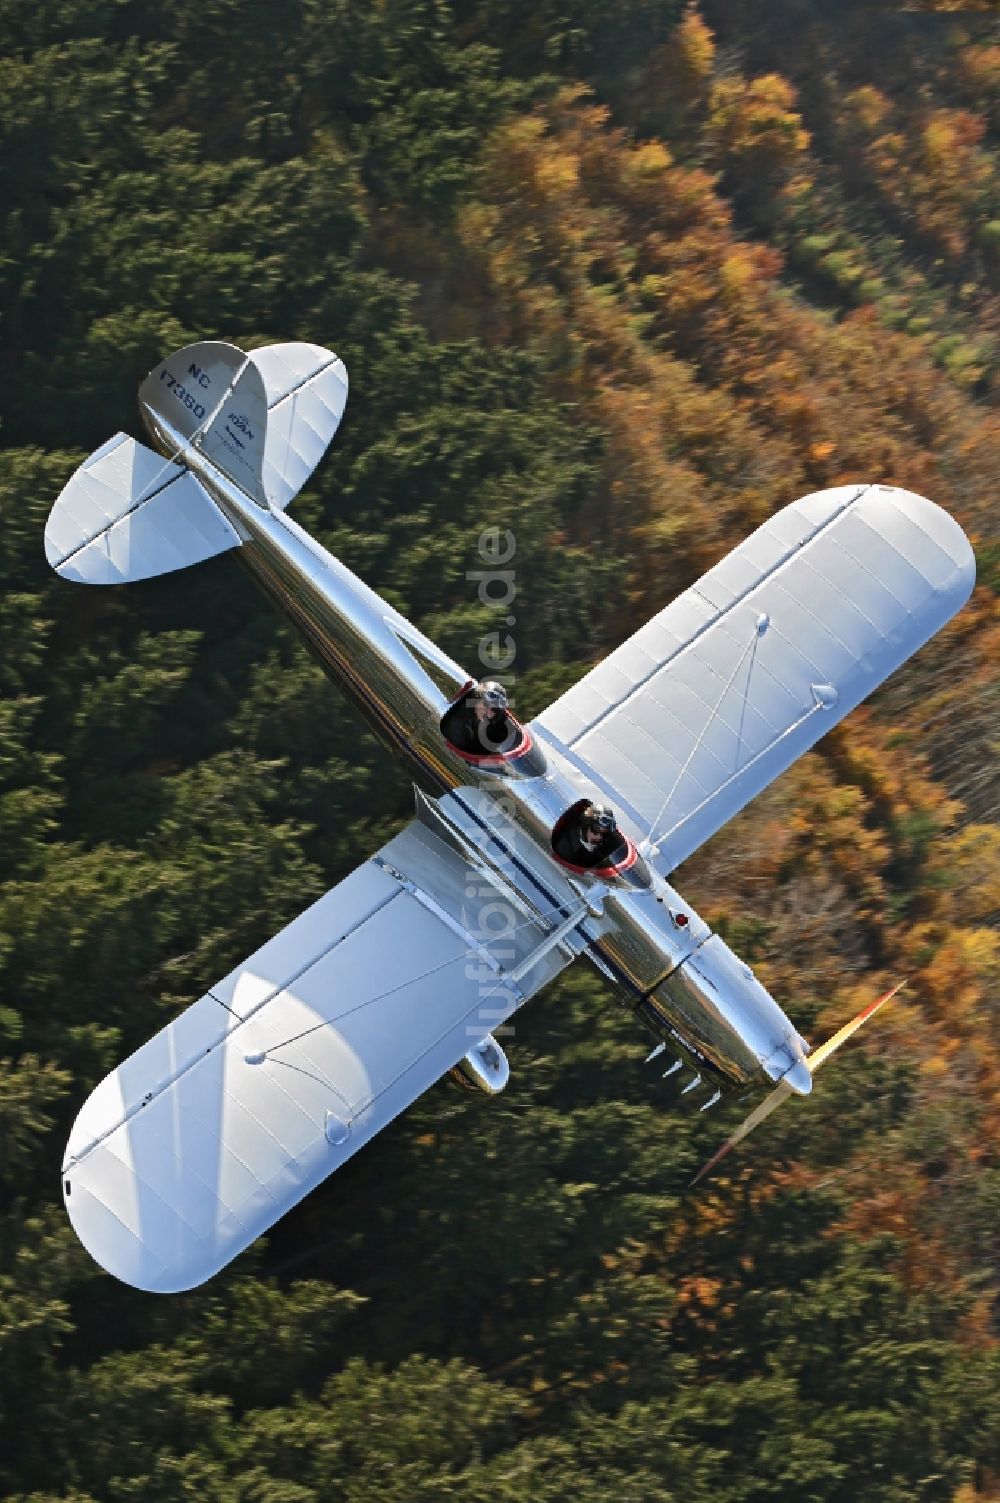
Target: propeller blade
x=783 y=1090
x=781 y=1093
x=822 y=1053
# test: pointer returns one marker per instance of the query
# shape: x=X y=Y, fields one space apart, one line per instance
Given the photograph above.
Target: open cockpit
x=587 y=839
x=480 y=727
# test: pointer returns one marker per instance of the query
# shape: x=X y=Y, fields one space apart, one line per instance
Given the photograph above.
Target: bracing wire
x=463 y=954
x=651 y=838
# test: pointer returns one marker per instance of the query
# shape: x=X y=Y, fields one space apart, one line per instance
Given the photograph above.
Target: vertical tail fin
x=210 y=397
x=265 y=419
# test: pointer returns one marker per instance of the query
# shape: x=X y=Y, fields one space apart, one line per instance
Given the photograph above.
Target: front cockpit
x=586 y=838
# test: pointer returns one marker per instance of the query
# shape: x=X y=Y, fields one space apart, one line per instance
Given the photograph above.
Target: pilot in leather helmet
x=591 y=839
x=481 y=722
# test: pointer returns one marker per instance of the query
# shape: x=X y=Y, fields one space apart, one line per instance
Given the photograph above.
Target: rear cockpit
x=480 y=727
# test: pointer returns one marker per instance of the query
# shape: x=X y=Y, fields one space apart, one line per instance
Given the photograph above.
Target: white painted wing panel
x=129 y=514
x=217 y=1126
x=306 y=390
x=726 y=687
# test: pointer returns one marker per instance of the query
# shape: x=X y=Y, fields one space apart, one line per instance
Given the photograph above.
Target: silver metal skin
x=392 y=672
x=661 y=956
x=687 y=986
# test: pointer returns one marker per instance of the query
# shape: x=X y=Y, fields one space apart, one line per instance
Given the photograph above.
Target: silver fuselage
x=647 y=941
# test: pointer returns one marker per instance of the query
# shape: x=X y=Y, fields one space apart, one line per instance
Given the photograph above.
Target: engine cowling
x=714 y=1006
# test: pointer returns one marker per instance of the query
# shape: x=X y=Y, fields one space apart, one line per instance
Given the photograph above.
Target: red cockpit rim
x=496 y=759
x=488 y=759
x=629 y=859
x=614 y=869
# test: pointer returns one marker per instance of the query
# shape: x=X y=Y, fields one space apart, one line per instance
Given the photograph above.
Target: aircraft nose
x=788 y=1064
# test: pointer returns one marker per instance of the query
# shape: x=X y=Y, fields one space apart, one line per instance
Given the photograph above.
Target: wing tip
x=105 y=1235
x=947 y=533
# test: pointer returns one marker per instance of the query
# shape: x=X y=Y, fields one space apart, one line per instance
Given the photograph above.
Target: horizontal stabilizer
x=128 y=514
x=306 y=390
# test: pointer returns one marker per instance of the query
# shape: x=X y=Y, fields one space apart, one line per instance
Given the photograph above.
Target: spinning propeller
x=783 y=1090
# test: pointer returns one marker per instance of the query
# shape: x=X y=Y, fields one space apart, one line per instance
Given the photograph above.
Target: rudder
x=211 y=397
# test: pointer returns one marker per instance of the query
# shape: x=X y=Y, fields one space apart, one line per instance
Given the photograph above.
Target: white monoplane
x=531 y=844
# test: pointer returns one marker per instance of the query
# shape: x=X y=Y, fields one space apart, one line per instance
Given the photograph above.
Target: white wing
x=727 y=686
x=306 y=390
x=216 y=1127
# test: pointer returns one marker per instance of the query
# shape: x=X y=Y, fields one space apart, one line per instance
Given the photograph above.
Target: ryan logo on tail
x=570 y=825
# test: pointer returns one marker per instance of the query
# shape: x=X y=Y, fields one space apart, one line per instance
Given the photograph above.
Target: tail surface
x=263 y=420
x=128 y=514
x=209 y=397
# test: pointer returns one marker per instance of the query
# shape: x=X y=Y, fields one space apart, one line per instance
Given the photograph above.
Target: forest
x=622 y=279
